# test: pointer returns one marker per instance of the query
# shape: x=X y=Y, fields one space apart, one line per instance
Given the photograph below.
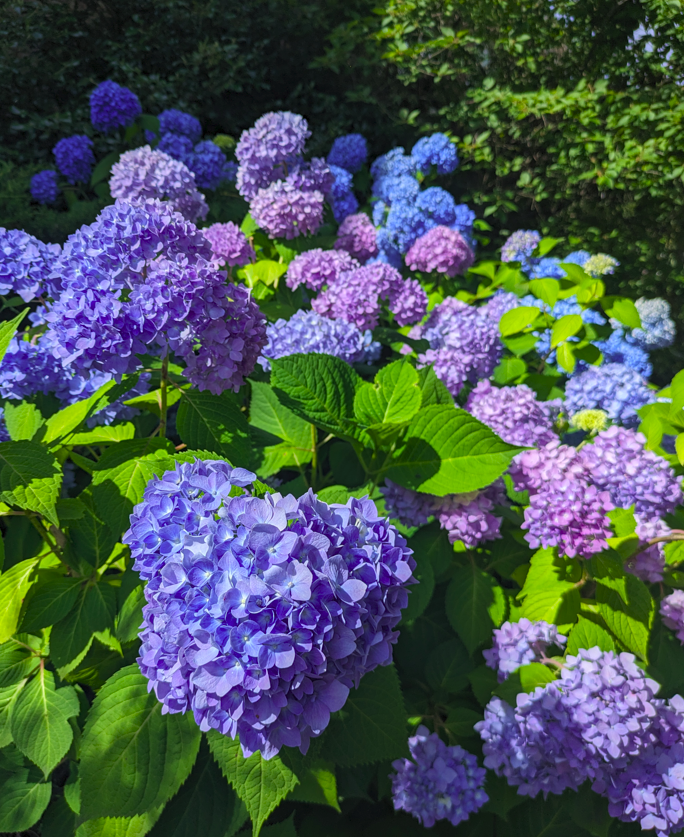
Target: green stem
x=164 y=395
x=46 y=538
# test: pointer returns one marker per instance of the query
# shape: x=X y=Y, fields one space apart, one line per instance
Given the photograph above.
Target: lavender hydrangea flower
x=441 y=783
x=308 y=332
x=177 y=146
x=262 y=614
x=285 y=212
x=672 y=611
x=469 y=518
x=520 y=643
x=25 y=264
x=615 y=388
x=44 y=186
x=143 y=173
x=412 y=508
x=317 y=268
x=519 y=247
x=113 y=106
x=174 y=121
x=514 y=413
x=648 y=564
x=264 y=152
x=356 y=235
x=532 y=469
x=29 y=368
x=229 y=244
x=440 y=249
x=436 y=150
x=207 y=162
x=74 y=157
x=349 y=152
x=657 y=327
x=316 y=176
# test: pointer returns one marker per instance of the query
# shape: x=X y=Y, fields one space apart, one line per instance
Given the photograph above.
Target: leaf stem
x=46 y=538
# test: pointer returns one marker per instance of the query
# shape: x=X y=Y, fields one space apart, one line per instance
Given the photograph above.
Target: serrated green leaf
x=8 y=330
x=546 y=289
x=49 y=600
x=674 y=553
x=39 y=720
x=22 y=799
x=448 y=667
x=432 y=542
x=317 y=780
x=551 y=591
x=509 y=369
x=461 y=720
x=14 y=585
x=371 y=725
x=473 y=599
x=104 y=434
x=623 y=310
x=137 y=826
x=133 y=758
x=90 y=541
x=448 y=451
x=517 y=319
x=588 y=634
x=30 y=477
x=23 y=420
x=393 y=398
x=17 y=659
x=265 y=271
x=260 y=784
x=299 y=436
x=630 y=615
x=564 y=328
x=94 y=611
x=214 y=423
x=432 y=390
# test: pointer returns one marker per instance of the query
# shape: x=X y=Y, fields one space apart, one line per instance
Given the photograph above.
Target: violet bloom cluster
x=520 y=643
x=356 y=234
x=614 y=388
x=208 y=163
x=25 y=264
x=317 y=268
x=440 y=249
x=140 y=279
x=514 y=413
x=436 y=150
x=262 y=614
x=672 y=612
x=519 y=247
x=229 y=245
x=142 y=173
x=173 y=121
x=44 y=186
x=440 y=783
x=74 y=157
x=284 y=211
x=648 y=562
x=308 y=332
x=113 y=106
x=349 y=152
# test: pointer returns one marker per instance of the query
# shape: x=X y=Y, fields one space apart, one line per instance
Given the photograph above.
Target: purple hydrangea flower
x=315 y=176
x=648 y=564
x=672 y=611
x=44 y=187
x=436 y=150
x=532 y=469
x=356 y=235
x=520 y=643
x=412 y=508
x=614 y=388
x=229 y=244
x=29 y=368
x=25 y=264
x=285 y=212
x=266 y=150
x=113 y=106
x=344 y=206
x=348 y=152
x=174 y=121
x=441 y=783
x=74 y=157
x=519 y=247
x=262 y=614
x=308 y=332
x=317 y=268
x=514 y=413
x=143 y=173
x=207 y=162
x=177 y=146
x=440 y=249
x=230 y=171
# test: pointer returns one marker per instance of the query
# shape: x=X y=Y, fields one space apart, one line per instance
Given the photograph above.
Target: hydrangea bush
x=320 y=520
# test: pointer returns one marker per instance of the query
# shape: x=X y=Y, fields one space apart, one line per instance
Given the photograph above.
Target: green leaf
x=677 y=392
x=281 y=829
x=432 y=390
x=551 y=591
x=94 y=611
x=8 y=330
x=103 y=168
x=483 y=681
x=590 y=811
x=317 y=780
x=260 y=784
x=546 y=245
x=23 y=798
x=394 y=397
x=448 y=451
x=49 y=600
x=299 y=436
x=372 y=724
x=432 y=542
x=133 y=758
x=419 y=595
x=39 y=720
x=319 y=388
x=30 y=477
x=509 y=369
x=543 y=818
x=204 y=805
x=546 y=289
x=566 y=357
x=628 y=613
x=564 y=328
x=265 y=271
x=17 y=660
x=517 y=319
x=214 y=423
x=448 y=667
x=623 y=310
x=674 y=553
x=137 y=826
x=14 y=585
x=91 y=541
x=588 y=634
x=104 y=435
x=679 y=447
x=23 y=420
x=129 y=619
x=461 y=720
x=473 y=599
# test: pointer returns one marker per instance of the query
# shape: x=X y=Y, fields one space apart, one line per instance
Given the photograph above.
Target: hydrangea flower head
x=44 y=187
x=349 y=152
x=344 y=206
x=672 y=611
x=174 y=121
x=532 y=469
x=519 y=247
x=317 y=176
x=441 y=783
x=591 y=421
x=317 y=268
x=520 y=643
x=440 y=249
x=113 y=106
x=25 y=264
x=436 y=150
x=600 y=265
x=177 y=146
x=207 y=162
x=356 y=235
x=275 y=141
x=74 y=157
x=285 y=212
x=143 y=173
x=657 y=327
x=578 y=257
x=648 y=564
x=620 y=349
x=262 y=614
x=393 y=164
x=549 y=266
x=229 y=244
x=513 y=413
x=614 y=388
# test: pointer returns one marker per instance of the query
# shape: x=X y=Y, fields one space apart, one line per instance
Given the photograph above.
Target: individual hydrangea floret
x=309 y=332
x=436 y=150
x=657 y=327
x=356 y=235
x=44 y=186
x=262 y=614
x=441 y=783
x=600 y=265
x=520 y=643
x=174 y=121
x=519 y=247
x=229 y=244
x=349 y=152
x=514 y=413
x=142 y=173
x=648 y=563
x=672 y=611
x=74 y=157
x=25 y=264
x=113 y=106
x=207 y=162
x=614 y=388
x=317 y=268
x=440 y=249
x=265 y=151
x=285 y=212
x=177 y=146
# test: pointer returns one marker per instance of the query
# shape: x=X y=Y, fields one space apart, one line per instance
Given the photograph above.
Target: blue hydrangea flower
x=25 y=264
x=657 y=327
x=348 y=152
x=207 y=162
x=436 y=150
x=174 y=121
x=44 y=187
x=177 y=146
x=549 y=266
x=74 y=157
x=401 y=188
x=519 y=247
x=614 y=388
x=113 y=106
x=618 y=349
x=393 y=164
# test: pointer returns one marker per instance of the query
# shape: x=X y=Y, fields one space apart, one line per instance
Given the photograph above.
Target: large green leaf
x=299 y=436
x=39 y=720
x=393 y=398
x=475 y=605
x=90 y=541
x=372 y=724
x=137 y=826
x=588 y=633
x=94 y=611
x=8 y=330
x=432 y=542
x=260 y=784
x=318 y=388
x=30 y=477
x=448 y=451
x=133 y=758
x=432 y=390
x=17 y=659
x=14 y=584
x=23 y=796
x=551 y=589
x=49 y=600
x=448 y=667
x=23 y=420
x=628 y=614
x=214 y=423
